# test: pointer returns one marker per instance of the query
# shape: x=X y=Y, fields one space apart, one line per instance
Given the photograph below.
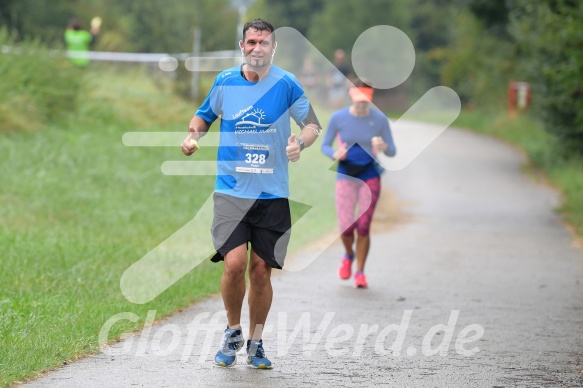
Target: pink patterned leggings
x=349 y=194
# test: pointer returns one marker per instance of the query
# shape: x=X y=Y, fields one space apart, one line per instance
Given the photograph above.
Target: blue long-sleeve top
x=357 y=133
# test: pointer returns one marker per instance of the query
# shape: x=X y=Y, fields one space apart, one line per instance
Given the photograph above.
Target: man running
x=255 y=102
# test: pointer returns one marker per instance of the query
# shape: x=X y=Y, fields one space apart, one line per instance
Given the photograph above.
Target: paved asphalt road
x=474 y=282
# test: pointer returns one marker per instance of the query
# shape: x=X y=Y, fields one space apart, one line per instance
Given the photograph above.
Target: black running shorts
x=265 y=223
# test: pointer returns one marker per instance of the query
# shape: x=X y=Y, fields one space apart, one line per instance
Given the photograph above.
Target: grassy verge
x=77 y=208
x=565 y=173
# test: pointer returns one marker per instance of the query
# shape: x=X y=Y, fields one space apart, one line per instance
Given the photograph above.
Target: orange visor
x=361 y=93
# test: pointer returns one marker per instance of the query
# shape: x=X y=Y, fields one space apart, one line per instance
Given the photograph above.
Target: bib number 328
x=255 y=158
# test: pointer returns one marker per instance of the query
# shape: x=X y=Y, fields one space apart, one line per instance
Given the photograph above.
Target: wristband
x=301 y=143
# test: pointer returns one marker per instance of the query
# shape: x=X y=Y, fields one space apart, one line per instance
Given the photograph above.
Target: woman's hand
x=340 y=153
x=378 y=144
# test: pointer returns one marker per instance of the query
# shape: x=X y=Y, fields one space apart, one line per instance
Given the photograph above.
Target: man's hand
x=197 y=128
x=293 y=149
x=190 y=144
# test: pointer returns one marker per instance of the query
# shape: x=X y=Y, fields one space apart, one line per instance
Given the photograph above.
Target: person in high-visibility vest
x=79 y=40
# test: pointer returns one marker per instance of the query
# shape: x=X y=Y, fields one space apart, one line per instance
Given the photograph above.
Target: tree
x=494 y=15
x=477 y=65
x=145 y=25
x=298 y=14
x=45 y=21
x=154 y=26
x=551 y=55
x=430 y=31
x=355 y=17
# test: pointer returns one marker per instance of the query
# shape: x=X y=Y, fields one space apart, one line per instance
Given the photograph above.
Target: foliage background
x=474 y=46
x=60 y=128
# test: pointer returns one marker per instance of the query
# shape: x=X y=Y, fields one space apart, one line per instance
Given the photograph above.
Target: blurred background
x=77 y=207
x=476 y=47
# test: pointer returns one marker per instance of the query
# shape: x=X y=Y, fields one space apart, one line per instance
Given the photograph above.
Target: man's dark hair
x=260 y=25
x=75 y=24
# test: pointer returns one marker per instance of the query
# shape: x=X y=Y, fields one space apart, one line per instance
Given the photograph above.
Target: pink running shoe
x=360 y=280
x=345 y=269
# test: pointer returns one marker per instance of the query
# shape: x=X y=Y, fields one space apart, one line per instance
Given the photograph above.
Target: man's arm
x=197 y=128
x=309 y=134
x=311 y=129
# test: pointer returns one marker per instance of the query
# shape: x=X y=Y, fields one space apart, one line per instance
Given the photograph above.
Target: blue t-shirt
x=255 y=127
x=357 y=133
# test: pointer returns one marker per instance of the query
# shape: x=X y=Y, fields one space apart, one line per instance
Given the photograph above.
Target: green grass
x=569 y=177
x=77 y=208
x=37 y=86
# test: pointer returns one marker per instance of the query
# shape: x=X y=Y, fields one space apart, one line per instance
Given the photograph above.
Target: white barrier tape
x=208 y=61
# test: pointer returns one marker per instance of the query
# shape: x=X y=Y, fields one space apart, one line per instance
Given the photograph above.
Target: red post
x=518 y=96
x=511 y=98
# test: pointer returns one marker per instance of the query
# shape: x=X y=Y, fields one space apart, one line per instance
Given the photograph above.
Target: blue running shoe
x=256 y=355
x=232 y=342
